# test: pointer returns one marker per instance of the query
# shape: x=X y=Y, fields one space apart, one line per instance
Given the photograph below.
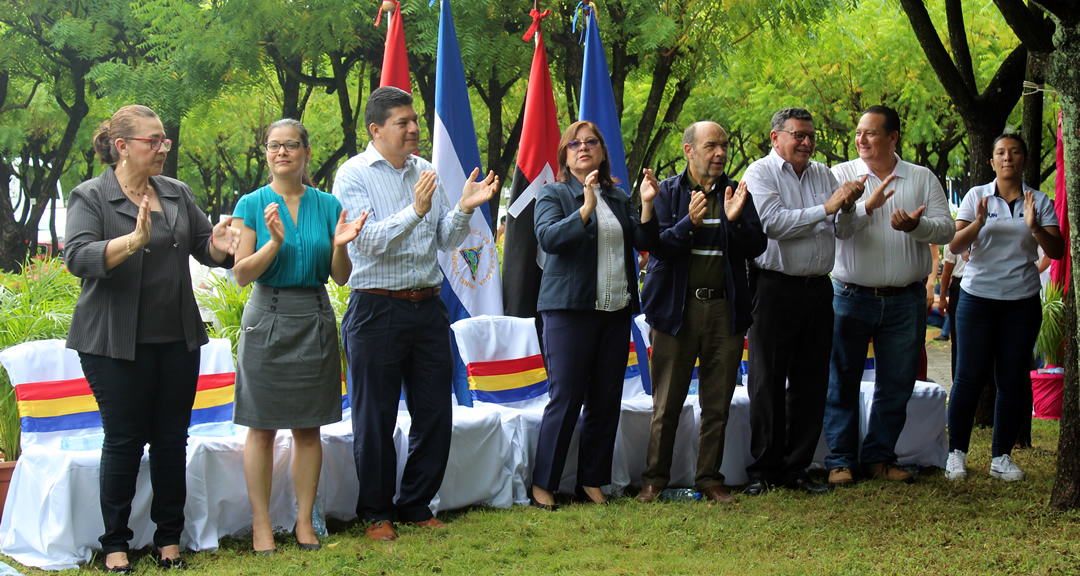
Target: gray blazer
x=106 y=316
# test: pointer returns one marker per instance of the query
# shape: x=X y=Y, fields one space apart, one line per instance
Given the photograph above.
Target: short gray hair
x=784 y=114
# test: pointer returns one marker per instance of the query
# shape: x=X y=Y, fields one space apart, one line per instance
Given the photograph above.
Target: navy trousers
x=586 y=353
x=392 y=343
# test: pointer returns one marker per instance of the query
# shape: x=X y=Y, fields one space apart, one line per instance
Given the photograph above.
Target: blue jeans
x=897 y=325
x=995 y=341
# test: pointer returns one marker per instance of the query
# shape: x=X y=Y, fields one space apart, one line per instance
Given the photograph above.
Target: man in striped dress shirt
x=697 y=302
x=396 y=330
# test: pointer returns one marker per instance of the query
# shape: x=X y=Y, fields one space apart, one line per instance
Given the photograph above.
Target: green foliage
x=1051 y=337
x=226 y=301
x=37 y=304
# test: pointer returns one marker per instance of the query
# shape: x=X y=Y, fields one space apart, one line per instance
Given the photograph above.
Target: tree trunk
x=1065 y=77
x=1031 y=124
x=1066 y=491
x=172 y=132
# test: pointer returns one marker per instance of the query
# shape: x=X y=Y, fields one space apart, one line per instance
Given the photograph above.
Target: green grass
x=979 y=526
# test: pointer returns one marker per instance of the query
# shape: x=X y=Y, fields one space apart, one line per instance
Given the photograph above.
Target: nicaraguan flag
x=598 y=106
x=472 y=286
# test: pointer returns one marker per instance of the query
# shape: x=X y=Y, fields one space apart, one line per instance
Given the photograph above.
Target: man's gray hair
x=784 y=114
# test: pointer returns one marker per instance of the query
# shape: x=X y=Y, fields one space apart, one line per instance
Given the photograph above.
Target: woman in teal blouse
x=288 y=373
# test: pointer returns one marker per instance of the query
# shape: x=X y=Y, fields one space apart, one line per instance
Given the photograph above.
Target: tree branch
x=1025 y=25
x=939 y=59
x=954 y=17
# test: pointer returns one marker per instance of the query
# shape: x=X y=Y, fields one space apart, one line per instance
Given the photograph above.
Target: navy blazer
x=665 y=289
x=569 y=279
x=106 y=315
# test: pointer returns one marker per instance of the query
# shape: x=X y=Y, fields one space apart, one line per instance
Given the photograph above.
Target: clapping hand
x=878 y=197
x=1030 y=214
x=905 y=222
x=422 y=192
x=649 y=186
x=696 y=211
x=225 y=238
x=141 y=236
x=734 y=201
x=475 y=193
x=273 y=223
x=982 y=212
x=348 y=231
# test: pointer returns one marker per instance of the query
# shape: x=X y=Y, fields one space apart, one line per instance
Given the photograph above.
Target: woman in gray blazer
x=136 y=325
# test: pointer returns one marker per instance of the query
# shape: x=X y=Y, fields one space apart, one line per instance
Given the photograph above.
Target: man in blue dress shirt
x=396 y=331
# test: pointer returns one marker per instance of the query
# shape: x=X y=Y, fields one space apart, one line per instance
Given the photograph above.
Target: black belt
x=708 y=293
x=417 y=295
x=879 y=292
x=781 y=277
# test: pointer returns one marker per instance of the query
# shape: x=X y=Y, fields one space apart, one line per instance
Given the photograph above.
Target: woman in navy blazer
x=589 y=230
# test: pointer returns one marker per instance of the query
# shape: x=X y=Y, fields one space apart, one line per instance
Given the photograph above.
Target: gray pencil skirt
x=288 y=367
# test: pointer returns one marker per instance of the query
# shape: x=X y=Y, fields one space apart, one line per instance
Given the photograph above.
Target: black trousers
x=391 y=343
x=954 y=299
x=145 y=401
x=788 y=351
x=586 y=353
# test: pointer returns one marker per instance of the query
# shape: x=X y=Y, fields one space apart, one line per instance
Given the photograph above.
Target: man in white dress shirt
x=882 y=259
x=790 y=339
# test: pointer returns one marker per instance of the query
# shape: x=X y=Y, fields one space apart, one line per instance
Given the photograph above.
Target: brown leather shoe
x=889 y=471
x=718 y=494
x=648 y=493
x=841 y=476
x=429 y=523
x=382 y=530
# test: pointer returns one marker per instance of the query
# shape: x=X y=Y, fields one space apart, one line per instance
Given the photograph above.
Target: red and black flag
x=537 y=164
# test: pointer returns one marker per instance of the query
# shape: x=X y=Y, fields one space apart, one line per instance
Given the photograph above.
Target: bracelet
x=127 y=246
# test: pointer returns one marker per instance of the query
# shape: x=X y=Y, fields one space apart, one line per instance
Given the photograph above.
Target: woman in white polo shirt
x=1003 y=224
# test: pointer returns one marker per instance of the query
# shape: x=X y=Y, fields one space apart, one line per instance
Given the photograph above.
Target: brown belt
x=418 y=295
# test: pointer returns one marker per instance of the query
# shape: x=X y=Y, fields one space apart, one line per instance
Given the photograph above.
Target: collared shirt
x=611 y=287
x=792 y=209
x=396 y=250
x=1003 y=258
x=869 y=252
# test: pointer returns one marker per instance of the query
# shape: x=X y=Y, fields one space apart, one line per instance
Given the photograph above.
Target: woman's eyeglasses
x=591 y=143
x=289 y=145
x=156 y=143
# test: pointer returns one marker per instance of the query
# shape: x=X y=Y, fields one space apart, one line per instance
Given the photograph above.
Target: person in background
x=1002 y=225
x=588 y=292
x=136 y=324
x=288 y=373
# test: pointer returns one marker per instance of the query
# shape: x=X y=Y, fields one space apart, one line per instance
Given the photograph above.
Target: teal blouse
x=304 y=258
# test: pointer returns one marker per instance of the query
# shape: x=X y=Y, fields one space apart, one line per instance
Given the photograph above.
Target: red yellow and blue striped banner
x=514 y=380
x=69 y=404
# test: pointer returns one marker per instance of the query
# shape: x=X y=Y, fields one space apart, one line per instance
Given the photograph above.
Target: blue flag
x=598 y=106
x=472 y=285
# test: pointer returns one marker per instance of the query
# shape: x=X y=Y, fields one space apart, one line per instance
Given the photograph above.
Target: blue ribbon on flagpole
x=581 y=7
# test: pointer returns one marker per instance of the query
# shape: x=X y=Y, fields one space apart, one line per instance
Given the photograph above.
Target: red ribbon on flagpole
x=537 y=16
x=397 y=11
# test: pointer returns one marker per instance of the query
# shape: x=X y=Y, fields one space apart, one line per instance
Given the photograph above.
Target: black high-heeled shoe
x=177 y=563
x=308 y=547
x=580 y=492
x=545 y=507
x=125 y=569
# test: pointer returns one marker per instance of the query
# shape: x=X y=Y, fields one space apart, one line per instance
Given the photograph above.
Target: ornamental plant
x=36 y=304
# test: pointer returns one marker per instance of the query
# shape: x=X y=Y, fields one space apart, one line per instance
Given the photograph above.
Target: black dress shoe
x=756 y=488
x=545 y=507
x=809 y=486
x=580 y=492
x=125 y=569
x=177 y=563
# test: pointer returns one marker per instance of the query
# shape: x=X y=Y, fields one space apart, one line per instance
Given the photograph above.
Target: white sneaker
x=1004 y=468
x=954 y=468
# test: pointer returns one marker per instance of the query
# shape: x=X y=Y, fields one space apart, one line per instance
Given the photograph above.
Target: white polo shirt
x=1002 y=257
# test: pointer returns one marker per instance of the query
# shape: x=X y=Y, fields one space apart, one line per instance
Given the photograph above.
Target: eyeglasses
x=800 y=136
x=591 y=143
x=156 y=143
x=289 y=145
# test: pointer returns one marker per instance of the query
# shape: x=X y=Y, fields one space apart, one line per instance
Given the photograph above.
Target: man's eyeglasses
x=591 y=143
x=156 y=143
x=289 y=145
x=800 y=136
